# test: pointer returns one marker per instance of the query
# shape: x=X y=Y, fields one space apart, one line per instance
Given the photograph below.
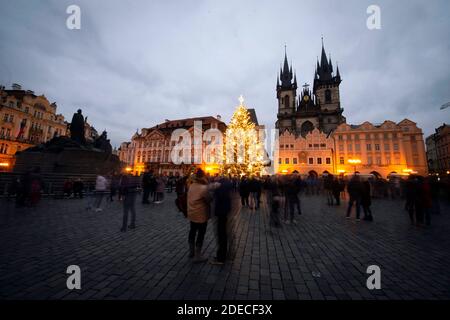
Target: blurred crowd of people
x=200 y=197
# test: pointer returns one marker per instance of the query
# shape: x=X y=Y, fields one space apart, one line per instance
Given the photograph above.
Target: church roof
x=253 y=117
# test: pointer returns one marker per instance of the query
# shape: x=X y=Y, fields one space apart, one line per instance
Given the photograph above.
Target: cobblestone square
x=324 y=256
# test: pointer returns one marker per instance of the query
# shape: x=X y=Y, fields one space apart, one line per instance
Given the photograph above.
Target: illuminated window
x=377 y=147
x=319 y=160
x=368 y=147
x=294 y=160
x=286 y=160
x=311 y=160
x=341 y=160
x=395 y=146
x=328 y=160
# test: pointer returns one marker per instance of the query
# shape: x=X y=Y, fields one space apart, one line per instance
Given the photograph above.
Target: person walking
x=244 y=191
x=113 y=186
x=222 y=205
x=128 y=190
x=198 y=200
x=336 y=188
x=293 y=201
x=354 y=189
x=78 y=188
x=146 y=186
x=366 y=201
x=160 y=188
x=100 y=189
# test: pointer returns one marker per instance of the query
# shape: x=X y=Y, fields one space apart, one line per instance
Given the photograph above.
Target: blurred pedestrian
x=354 y=189
x=198 y=201
x=100 y=189
x=366 y=201
x=128 y=190
x=222 y=203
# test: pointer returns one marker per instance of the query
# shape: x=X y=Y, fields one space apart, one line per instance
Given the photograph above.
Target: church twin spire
x=323 y=72
x=286 y=75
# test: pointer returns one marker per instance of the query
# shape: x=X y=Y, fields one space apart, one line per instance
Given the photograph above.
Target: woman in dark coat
x=366 y=201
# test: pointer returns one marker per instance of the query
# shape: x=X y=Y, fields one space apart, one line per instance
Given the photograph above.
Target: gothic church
x=320 y=108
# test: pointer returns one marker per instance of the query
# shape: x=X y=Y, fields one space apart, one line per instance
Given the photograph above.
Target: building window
x=292 y=146
x=369 y=160
x=341 y=147
x=357 y=147
x=328 y=160
x=388 y=160
x=349 y=147
x=319 y=160
x=323 y=145
x=286 y=160
x=368 y=147
x=341 y=160
x=279 y=160
x=294 y=160
x=378 y=159
x=327 y=96
x=377 y=147
x=395 y=146
x=340 y=137
x=311 y=160
x=281 y=146
x=386 y=147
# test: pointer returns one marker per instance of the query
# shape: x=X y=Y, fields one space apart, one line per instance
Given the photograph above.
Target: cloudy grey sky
x=135 y=63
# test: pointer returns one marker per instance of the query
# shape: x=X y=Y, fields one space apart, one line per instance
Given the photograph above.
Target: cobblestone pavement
x=324 y=256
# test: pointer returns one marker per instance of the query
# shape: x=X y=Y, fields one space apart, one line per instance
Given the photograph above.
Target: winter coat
x=198 y=200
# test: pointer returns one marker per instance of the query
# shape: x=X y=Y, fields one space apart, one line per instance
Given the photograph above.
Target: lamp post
x=354 y=162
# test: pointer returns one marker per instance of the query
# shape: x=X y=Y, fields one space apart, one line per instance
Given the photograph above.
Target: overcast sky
x=135 y=63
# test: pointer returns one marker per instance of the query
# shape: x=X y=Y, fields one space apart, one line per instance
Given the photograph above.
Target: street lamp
x=354 y=162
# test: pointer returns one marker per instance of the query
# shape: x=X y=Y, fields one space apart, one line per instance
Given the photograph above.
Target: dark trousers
x=128 y=206
x=244 y=200
x=357 y=202
x=145 y=195
x=222 y=238
x=367 y=211
x=197 y=233
x=337 y=196
x=293 y=202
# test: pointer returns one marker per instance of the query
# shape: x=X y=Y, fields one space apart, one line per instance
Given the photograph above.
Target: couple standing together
x=199 y=197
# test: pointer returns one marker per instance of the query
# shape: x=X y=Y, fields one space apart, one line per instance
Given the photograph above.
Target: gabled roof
x=253 y=117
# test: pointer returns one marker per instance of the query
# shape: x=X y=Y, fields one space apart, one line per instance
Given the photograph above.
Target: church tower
x=286 y=95
x=326 y=92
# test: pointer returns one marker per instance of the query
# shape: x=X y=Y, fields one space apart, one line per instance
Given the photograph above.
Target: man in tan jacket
x=198 y=200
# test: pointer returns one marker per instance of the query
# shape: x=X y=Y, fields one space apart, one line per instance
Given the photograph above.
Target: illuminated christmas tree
x=244 y=149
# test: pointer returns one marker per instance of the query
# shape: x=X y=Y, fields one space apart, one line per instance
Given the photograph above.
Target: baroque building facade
x=438 y=150
x=314 y=137
x=152 y=147
x=381 y=150
x=26 y=119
